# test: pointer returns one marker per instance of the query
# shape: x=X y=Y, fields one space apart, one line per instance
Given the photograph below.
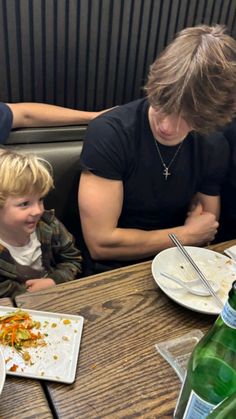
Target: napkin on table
x=231 y=252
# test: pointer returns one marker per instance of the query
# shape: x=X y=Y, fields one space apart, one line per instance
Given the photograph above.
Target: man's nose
x=167 y=125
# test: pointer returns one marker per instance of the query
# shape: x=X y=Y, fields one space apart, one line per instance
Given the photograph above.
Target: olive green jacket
x=60 y=258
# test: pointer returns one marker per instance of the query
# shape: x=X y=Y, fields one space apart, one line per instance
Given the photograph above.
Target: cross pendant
x=166 y=173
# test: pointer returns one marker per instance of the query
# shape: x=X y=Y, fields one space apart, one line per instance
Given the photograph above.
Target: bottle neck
x=228 y=313
x=232 y=296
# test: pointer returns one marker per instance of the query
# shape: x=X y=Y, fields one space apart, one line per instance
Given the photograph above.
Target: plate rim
x=71 y=378
x=3 y=367
x=195 y=309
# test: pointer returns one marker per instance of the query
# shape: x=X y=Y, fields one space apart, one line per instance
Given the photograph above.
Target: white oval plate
x=2 y=371
x=212 y=264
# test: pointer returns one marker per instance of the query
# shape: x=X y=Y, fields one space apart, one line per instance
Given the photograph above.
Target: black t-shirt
x=120 y=145
x=227 y=230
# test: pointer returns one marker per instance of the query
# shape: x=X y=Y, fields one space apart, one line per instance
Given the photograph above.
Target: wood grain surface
x=220 y=247
x=119 y=374
x=22 y=398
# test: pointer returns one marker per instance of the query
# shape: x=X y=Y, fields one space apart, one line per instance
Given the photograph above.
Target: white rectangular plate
x=57 y=360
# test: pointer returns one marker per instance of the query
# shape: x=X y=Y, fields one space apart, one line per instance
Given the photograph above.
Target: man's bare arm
x=100 y=203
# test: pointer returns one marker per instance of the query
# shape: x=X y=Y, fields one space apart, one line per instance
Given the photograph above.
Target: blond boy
x=36 y=251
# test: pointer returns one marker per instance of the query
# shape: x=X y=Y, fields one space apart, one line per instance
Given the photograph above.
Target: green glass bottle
x=225 y=410
x=211 y=372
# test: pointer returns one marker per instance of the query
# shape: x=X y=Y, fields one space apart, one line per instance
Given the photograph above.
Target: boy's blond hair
x=23 y=174
x=195 y=78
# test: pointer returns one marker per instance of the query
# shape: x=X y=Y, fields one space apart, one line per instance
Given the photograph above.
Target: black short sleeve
x=111 y=142
x=216 y=164
x=6 y=119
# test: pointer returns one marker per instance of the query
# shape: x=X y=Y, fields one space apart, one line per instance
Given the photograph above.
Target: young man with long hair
x=151 y=167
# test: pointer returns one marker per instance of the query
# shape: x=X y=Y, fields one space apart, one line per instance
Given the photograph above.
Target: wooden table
x=119 y=374
x=23 y=399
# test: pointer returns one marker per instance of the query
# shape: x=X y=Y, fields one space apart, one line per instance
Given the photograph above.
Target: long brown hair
x=195 y=77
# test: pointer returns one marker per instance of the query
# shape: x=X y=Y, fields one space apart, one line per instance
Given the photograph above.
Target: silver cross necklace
x=166 y=171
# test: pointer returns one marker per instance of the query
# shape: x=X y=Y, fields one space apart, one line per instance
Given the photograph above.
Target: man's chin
x=169 y=141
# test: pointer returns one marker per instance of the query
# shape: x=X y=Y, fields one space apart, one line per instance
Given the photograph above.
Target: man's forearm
x=132 y=244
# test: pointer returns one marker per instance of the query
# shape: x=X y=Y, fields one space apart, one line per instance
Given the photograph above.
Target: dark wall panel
x=91 y=54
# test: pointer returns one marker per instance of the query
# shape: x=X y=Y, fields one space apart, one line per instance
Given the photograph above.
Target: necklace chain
x=166 y=172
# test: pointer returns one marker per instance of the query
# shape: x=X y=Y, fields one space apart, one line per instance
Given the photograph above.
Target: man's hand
x=202 y=226
x=38 y=284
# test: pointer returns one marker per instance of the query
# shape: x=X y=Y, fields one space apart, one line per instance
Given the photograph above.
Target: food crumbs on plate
x=66 y=321
x=16 y=331
x=13 y=368
x=26 y=356
x=21 y=333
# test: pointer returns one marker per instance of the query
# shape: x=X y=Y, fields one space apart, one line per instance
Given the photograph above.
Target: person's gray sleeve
x=6 y=120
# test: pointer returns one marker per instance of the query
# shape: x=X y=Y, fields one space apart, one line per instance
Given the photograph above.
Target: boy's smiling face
x=19 y=217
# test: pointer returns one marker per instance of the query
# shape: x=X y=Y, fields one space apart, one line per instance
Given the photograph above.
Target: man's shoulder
x=213 y=146
x=214 y=139
x=230 y=132
x=123 y=115
x=111 y=140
